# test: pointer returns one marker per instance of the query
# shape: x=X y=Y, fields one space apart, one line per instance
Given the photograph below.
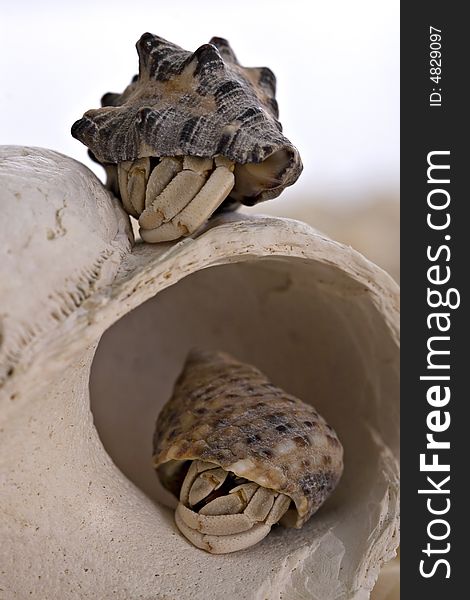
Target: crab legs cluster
x=175 y=197
x=220 y=512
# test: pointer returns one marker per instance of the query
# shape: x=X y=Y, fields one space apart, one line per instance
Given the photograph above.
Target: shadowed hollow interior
x=312 y=329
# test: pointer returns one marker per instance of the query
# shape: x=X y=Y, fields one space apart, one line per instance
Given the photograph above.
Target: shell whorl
x=198 y=104
x=230 y=414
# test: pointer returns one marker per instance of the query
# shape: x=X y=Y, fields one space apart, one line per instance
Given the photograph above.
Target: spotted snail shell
x=199 y=104
x=227 y=414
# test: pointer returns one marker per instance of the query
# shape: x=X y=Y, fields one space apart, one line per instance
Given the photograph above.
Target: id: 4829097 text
x=435 y=65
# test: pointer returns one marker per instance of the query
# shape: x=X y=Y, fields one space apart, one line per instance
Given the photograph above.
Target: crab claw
x=205 y=483
x=233 y=515
x=175 y=197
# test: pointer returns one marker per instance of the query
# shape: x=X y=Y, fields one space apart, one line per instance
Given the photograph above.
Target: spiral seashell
x=192 y=133
x=241 y=454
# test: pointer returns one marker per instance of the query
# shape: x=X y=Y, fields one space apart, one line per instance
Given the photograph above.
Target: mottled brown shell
x=198 y=104
x=228 y=413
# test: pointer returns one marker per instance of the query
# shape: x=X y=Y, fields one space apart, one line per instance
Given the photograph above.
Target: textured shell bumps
x=200 y=104
x=229 y=414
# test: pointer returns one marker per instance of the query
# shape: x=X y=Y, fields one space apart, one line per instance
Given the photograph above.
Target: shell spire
x=225 y=49
x=202 y=104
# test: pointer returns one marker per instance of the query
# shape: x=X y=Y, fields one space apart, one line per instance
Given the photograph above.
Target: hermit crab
x=241 y=454
x=191 y=134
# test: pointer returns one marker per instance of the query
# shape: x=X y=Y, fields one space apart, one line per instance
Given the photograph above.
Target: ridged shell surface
x=199 y=104
x=228 y=413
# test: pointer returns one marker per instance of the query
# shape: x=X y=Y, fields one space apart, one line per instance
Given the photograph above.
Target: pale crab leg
x=137 y=183
x=224 y=505
x=231 y=521
x=112 y=181
x=132 y=179
x=235 y=502
x=177 y=194
x=196 y=467
x=123 y=177
x=215 y=525
x=260 y=505
x=196 y=212
x=281 y=504
x=222 y=544
x=206 y=483
x=160 y=177
x=245 y=491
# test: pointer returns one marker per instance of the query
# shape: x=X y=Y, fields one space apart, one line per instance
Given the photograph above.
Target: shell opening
x=323 y=319
x=219 y=511
x=252 y=179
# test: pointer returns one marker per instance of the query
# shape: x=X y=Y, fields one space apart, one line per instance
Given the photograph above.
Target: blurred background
x=337 y=67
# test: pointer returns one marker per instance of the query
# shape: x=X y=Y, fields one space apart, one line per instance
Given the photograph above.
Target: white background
x=336 y=62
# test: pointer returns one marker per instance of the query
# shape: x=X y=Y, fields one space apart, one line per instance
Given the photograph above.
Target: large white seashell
x=85 y=518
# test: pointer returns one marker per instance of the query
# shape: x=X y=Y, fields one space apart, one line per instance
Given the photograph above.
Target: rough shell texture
x=200 y=104
x=59 y=206
x=82 y=507
x=230 y=414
